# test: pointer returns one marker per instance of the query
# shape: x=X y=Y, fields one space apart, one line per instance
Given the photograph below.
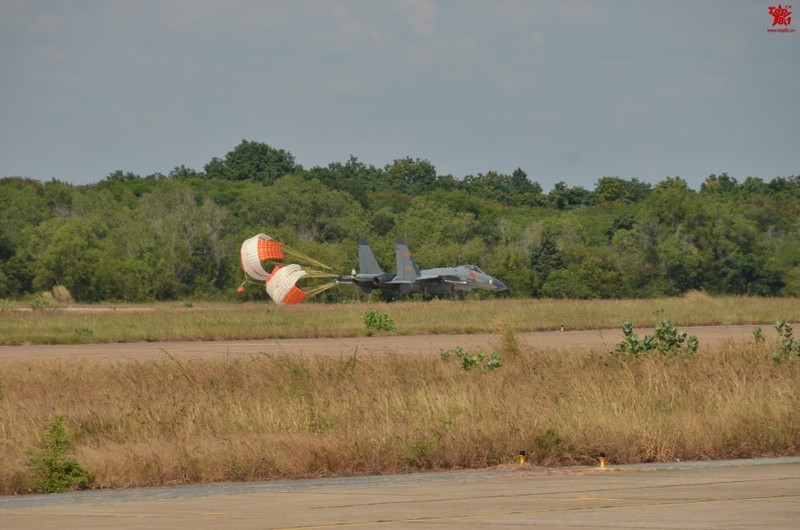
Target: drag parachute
x=257 y=249
x=281 y=284
x=267 y=260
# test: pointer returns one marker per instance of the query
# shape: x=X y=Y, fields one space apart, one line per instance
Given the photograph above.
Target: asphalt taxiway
x=761 y=493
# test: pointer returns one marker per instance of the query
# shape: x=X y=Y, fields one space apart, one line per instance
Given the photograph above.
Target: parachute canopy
x=267 y=260
x=259 y=248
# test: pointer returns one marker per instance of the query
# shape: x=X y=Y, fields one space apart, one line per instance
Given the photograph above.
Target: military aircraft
x=410 y=279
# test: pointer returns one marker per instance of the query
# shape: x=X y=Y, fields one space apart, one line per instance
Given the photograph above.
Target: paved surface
x=604 y=340
x=734 y=494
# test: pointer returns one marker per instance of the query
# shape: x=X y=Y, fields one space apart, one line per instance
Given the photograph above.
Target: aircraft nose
x=497 y=285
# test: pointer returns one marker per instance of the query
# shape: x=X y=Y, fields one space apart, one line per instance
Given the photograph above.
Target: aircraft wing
x=441 y=278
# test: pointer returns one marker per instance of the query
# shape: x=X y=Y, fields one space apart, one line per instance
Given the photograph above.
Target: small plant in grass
x=758 y=335
x=692 y=343
x=631 y=344
x=40 y=302
x=548 y=446
x=509 y=345
x=666 y=340
x=493 y=362
x=53 y=470
x=790 y=347
x=84 y=331
x=467 y=361
x=376 y=321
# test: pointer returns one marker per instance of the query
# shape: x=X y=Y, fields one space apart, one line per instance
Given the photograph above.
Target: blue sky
x=566 y=90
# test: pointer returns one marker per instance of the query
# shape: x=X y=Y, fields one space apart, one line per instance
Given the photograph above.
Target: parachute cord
x=308 y=259
x=318 y=289
x=311 y=273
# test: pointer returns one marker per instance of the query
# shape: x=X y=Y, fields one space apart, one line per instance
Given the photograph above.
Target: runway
x=763 y=493
x=599 y=340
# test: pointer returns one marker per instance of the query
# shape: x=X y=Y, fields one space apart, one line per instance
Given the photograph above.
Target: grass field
x=199 y=321
x=173 y=421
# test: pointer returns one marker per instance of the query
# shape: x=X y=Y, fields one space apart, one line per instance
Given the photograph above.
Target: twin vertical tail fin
x=367 y=264
x=407 y=270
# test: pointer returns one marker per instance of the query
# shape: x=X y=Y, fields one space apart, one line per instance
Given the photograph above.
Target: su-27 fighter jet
x=410 y=279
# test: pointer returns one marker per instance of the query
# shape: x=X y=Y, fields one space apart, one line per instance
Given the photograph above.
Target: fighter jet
x=410 y=279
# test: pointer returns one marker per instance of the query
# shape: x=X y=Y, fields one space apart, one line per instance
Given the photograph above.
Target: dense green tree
x=186 y=239
x=70 y=257
x=353 y=177
x=305 y=210
x=183 y=172
x=719 y=185
x=746 y=274
x=253 y=161
x=513 y=266
x=24 y=204
x=128 y=187
x=383 y=221
x=785 y=186
x=593 y=278
x=614 y=189
x=625 y=221
x=546 y=258
x=513 y=189
x=411 y=175
x=754 y=186
x=135 y=238
x=563 y=197
x=440 y=236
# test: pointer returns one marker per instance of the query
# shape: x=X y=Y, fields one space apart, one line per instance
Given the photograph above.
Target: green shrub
x=493 y=362
x=378 y=321
x=790 y=347
x=666 y=340
x=40 y=302
x=53 y=471
x=467 y=361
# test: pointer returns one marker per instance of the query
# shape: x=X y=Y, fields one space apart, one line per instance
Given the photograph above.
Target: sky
x=565 y=90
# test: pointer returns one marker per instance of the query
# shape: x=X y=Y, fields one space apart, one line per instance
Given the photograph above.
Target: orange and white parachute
x=281 y=284
x=264 y=259
x=259 y=248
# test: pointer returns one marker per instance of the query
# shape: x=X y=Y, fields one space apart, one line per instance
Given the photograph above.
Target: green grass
x=172 y=322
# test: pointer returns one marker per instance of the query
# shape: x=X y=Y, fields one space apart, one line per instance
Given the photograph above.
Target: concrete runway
x=763 y=493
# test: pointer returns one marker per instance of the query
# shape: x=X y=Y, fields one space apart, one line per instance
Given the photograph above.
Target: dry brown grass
x=140 y=423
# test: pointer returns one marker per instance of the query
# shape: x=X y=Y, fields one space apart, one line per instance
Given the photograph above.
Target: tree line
x=176 y=236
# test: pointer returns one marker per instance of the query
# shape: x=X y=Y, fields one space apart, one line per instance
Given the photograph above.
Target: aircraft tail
x=407 y=270
x=367 y=264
